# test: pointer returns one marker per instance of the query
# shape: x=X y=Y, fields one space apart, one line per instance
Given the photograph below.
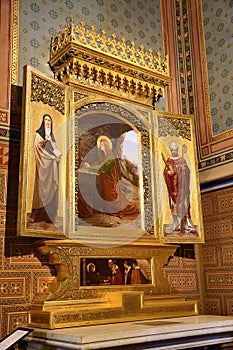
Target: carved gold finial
x=112 y=46
x=82 y=56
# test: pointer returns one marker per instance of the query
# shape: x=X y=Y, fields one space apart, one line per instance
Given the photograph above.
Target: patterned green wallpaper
x=136 y=20
x=218 y=27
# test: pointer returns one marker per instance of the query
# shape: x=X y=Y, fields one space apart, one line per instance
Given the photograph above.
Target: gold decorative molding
x=66 y=256
x=174 y=127
x=16 y=107
x=3 y=116
x=78 y=96
x=3 y=184
x=48 y=93
x=81 y=56
x=15 y=42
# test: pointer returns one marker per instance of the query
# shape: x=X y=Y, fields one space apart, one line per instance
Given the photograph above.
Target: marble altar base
x=163 y=334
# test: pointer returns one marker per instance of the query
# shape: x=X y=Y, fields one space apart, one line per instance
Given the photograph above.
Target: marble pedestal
x=171 y=333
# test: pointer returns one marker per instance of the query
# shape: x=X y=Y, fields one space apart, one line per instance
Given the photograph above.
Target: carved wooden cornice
x=82 y=57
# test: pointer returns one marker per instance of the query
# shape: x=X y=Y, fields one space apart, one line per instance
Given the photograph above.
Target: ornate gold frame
x=97 y=74
x=126 y=113
x=178 y=129
x=41 y=95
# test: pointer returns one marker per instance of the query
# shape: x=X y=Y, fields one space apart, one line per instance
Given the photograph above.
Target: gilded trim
x=15 y=42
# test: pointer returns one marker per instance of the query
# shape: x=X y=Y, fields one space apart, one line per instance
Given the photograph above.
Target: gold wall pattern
x=217 y=252
x=182 y=274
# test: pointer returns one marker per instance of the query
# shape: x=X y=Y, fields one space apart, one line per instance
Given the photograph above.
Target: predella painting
x=115 y=271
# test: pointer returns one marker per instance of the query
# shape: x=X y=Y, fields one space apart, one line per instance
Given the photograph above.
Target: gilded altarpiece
x=93 y=182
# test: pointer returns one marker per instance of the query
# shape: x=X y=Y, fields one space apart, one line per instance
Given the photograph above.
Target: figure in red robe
x=111 y=200
x=177 y=178
x=116 y=277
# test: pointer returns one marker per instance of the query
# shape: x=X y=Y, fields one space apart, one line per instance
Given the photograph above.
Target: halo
x=103 y=138
x=89 y=265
